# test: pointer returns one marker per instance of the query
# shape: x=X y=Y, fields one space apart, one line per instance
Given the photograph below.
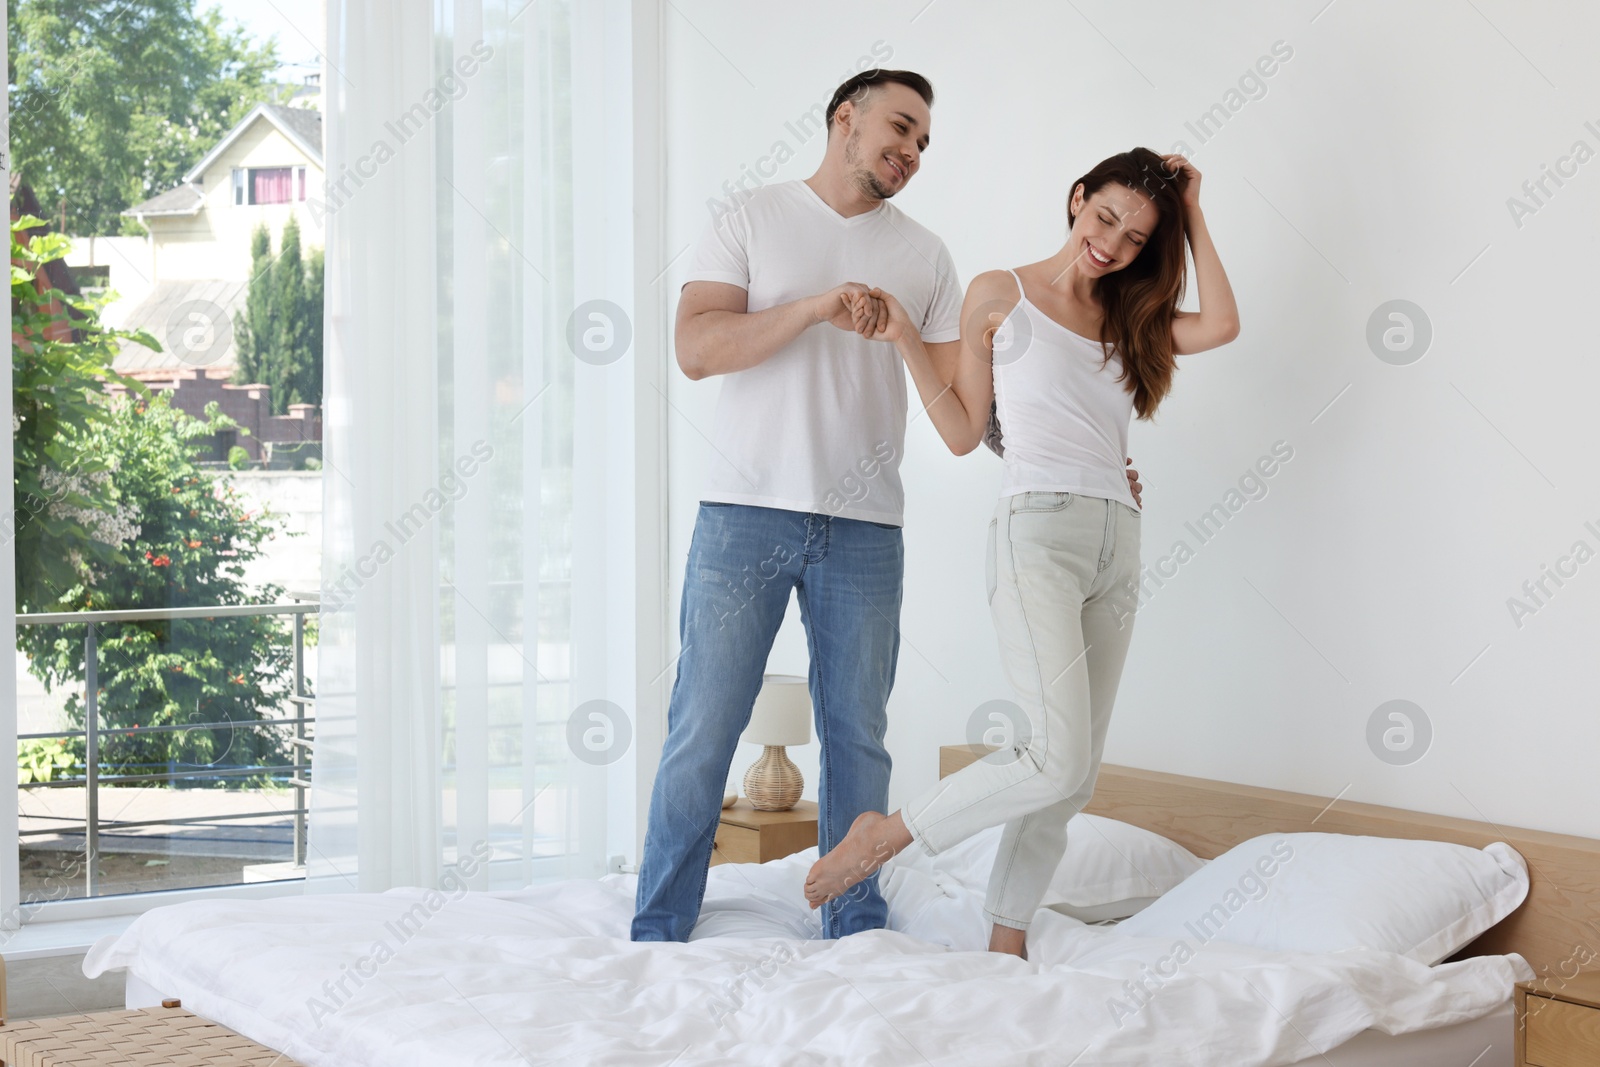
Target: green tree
x=278 y=336
x=289 y=293
x=311 y=383
x=251 y=352
x=112 y=101
x=193 y=540
x=113 y=512
x=68 y=519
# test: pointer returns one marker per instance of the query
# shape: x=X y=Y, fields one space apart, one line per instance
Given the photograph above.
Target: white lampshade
x=782 y=715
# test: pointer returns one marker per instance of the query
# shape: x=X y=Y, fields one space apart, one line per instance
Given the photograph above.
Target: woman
x=1088 y=336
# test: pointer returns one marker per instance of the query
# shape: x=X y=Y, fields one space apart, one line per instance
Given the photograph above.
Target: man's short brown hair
x=857 y=87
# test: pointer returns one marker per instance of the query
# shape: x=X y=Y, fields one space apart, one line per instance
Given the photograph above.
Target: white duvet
x=547 y=975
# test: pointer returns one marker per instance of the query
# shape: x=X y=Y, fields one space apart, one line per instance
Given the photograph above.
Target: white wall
x=292 y=557
x=128 y=258
x=1376 y=166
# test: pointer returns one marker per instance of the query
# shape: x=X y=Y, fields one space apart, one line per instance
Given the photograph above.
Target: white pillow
x=1111 y=869
x=1327 y=892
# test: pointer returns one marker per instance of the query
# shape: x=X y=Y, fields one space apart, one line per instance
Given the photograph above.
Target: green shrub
x=39 y=758
x=117 y=514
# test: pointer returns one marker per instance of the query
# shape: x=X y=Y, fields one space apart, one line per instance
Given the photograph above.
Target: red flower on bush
x=192 y=544
x=158 y=561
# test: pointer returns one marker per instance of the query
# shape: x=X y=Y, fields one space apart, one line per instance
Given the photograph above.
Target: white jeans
x=1063 y=589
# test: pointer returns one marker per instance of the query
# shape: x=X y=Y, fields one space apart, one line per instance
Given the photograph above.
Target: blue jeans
x=743 y=563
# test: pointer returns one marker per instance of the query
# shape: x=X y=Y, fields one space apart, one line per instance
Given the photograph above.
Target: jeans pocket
x=1041 y=501
x=989 y=560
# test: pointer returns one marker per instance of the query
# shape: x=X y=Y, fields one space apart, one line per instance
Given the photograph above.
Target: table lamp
x=781 y=716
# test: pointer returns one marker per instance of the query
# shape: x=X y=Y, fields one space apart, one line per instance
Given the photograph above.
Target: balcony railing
x=301 y=704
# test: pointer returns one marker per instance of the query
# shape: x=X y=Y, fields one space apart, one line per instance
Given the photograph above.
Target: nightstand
x=1558 y=1021
x=746 y=835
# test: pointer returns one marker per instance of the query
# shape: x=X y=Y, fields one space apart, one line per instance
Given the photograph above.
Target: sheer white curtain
x=478 y=517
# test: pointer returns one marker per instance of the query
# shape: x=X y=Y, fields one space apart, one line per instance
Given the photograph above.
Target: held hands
x=1133 y=483
x=838 y=305
x=878 y=316
x=873 y=313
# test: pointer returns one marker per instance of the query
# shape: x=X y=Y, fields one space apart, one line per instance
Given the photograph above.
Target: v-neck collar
x=842 y=220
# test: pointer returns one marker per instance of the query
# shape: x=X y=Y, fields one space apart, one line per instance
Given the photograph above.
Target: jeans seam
x=1108 y=542
x=1033 y=645
x=705 y=875
x=1027 y=626
x=830 y=916
x=1011 y=860
x=979 y=800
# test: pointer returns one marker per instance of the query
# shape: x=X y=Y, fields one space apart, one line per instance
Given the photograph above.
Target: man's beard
x=863 y=177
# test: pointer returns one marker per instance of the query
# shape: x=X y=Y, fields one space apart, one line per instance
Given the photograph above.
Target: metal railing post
x=91 y=760
x=299 y=740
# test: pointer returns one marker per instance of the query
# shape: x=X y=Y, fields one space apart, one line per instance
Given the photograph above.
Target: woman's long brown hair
x=1141 y=299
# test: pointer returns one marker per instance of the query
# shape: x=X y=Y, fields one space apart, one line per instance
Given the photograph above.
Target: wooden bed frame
x=1557 y=929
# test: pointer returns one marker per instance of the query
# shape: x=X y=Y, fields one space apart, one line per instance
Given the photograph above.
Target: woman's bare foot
x=1008 y=939
x=872 y=841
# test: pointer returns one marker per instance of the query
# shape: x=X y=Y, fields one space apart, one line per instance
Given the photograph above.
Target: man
x=804 y=491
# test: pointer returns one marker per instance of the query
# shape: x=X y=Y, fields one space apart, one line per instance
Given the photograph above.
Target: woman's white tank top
x=1063 y=416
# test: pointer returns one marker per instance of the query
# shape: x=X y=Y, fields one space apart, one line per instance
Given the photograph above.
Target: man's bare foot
x=1008 y=939
x=872 y=841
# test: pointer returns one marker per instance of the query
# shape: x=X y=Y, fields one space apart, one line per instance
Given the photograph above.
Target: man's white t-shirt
x=820 y=425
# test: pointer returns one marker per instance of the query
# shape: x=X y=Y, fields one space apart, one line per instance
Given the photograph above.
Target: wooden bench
x=167 y=1035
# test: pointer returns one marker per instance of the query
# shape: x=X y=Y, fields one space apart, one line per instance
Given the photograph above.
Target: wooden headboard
x=1557 y=929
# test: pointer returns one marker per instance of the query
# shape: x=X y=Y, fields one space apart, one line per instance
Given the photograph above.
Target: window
x=271 y=185
x=268 y=185
x=222 y=741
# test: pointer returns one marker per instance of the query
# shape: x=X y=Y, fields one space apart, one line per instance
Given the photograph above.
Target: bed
x=546 y=974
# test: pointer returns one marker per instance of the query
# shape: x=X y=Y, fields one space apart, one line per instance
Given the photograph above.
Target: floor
x=55 y=985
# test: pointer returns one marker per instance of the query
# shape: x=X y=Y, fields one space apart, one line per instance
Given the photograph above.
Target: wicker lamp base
x=773 y=782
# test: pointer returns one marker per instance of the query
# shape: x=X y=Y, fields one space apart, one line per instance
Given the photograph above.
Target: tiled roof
x=186 y=199
x=193 y=320
x=306 y=124
x=301 y=125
